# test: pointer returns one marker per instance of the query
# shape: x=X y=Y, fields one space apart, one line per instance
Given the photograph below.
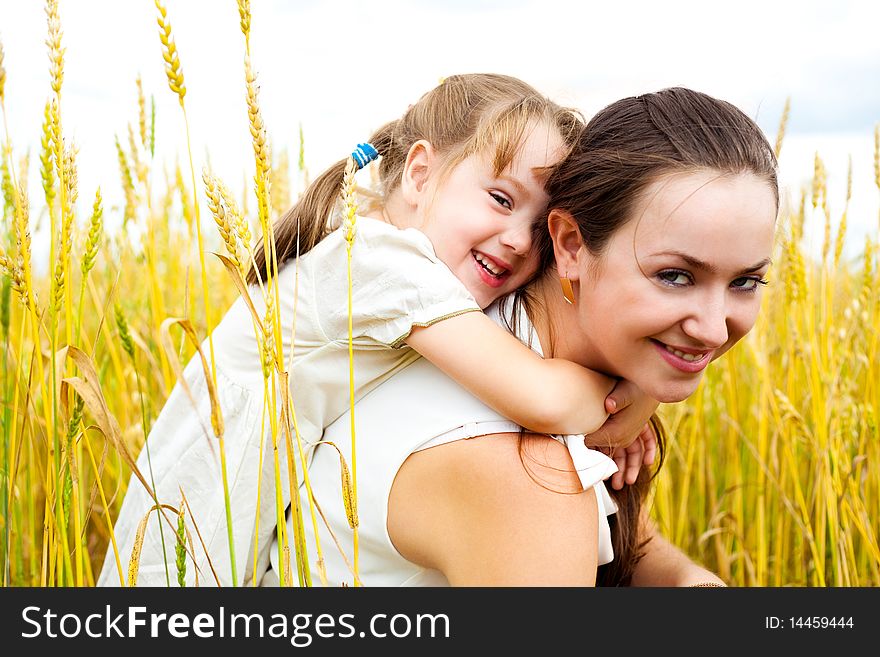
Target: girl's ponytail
x=310 y=217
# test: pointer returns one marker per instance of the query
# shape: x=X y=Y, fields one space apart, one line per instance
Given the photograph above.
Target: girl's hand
x=625 y=435
x=629 y=410
x=631 y=458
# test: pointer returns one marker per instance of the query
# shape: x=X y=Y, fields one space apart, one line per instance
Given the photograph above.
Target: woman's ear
x=567 y=242
x=420 y=161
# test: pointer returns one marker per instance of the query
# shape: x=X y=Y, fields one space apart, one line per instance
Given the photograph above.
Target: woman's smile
x=690 y=361
x=683 y=276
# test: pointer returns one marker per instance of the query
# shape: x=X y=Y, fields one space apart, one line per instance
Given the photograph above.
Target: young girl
x=462 y=183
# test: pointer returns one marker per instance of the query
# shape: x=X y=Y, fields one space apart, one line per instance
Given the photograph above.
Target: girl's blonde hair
x=463 y=116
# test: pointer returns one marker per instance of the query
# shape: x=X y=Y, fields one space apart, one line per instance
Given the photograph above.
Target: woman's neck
x=557 y=324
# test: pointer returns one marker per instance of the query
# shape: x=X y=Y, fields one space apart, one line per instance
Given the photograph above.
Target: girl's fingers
x=634 y=461
x=649 y=440
x=618 y=477
x=619 y=398
x=650 y=451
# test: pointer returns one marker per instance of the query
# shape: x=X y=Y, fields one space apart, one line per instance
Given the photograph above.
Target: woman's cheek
x=743 y=321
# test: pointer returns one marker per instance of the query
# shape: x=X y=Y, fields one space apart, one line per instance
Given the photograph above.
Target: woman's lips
x=687 y=360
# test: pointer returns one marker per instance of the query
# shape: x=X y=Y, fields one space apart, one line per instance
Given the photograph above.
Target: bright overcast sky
x=342 y=68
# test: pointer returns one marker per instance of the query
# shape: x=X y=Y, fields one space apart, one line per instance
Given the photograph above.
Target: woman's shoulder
x=508 y=462
x=460 y=503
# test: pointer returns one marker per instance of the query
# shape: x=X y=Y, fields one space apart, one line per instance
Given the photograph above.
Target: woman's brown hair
x=463 y=116
x=622 y=150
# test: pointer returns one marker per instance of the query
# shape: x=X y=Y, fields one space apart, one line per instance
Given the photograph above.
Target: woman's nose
x=707 y=324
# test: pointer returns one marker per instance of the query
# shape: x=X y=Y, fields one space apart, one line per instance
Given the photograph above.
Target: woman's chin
x=671 y=392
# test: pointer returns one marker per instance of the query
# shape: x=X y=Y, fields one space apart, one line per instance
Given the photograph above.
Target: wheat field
x=771 y=476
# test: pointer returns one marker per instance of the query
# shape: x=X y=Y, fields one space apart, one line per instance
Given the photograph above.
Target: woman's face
x=680 y=283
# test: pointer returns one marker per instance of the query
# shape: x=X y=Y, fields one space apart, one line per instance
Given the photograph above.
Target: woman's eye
x=748 y=283
x=674 y=277
x=502 y=200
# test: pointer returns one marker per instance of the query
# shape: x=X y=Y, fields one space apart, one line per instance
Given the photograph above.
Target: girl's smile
x=480 y=222
x=492 y=272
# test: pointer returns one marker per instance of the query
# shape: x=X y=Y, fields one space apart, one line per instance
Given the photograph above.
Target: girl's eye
x=748 y=283
x=674 y=277
x=502 y=200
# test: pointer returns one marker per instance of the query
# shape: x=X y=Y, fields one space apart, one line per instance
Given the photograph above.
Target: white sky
x=342 y=68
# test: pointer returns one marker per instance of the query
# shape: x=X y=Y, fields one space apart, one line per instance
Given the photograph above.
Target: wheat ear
x=173 y=69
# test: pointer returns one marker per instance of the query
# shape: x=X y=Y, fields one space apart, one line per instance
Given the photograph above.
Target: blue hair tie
x=364 y=154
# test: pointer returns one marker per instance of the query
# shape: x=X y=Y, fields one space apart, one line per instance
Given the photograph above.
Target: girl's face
x=680 y=283
x=480 y=223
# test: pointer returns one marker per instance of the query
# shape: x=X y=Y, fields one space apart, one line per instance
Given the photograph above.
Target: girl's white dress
x=420 y=407
x=397 y=283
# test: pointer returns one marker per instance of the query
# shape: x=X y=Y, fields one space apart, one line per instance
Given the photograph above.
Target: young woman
x=655 y=251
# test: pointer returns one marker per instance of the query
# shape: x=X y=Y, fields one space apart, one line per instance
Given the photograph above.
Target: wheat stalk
x=2 y=76
x=244 y=13
x=61 y=265
x=140 y=168
x=841 y=230
x=56 y=52
x=173 y=69
x=47 y=156
x=224 y=225
x=124 y=332
x=877 y=155
x=152 y=125
x=268 y=343
x=90 y=248
x=127 y=341
x=90 y=252
x=301 y=159
x=142 y=113
x=23 y=246
x=258 y=136
x=57 y=141
x=818 y=181
x=349 y=228
x=239 y=221
x=180 y=547
x=127 y=184
x=15 y=275
x=8 y=186
x=783 y=122
x=877 y=161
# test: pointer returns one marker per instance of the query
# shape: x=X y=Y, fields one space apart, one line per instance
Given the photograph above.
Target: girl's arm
x=544 y=395
x=472 y=511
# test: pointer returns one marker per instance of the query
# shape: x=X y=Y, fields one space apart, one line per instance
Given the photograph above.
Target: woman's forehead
x=706 y=215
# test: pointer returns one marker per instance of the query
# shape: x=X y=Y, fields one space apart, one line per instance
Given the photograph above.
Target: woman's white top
x=419 y=407
x=397 y=283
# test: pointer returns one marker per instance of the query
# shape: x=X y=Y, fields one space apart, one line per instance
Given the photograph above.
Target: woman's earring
x=567 y=291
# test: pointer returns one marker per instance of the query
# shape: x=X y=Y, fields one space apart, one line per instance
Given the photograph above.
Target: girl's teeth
x=688 y=357
x=495 y=271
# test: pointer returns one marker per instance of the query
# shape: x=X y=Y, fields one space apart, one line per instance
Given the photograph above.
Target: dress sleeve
x=593 y=467
x=398 y=283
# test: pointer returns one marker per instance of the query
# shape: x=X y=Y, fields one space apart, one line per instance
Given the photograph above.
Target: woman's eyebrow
x=712 y=269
